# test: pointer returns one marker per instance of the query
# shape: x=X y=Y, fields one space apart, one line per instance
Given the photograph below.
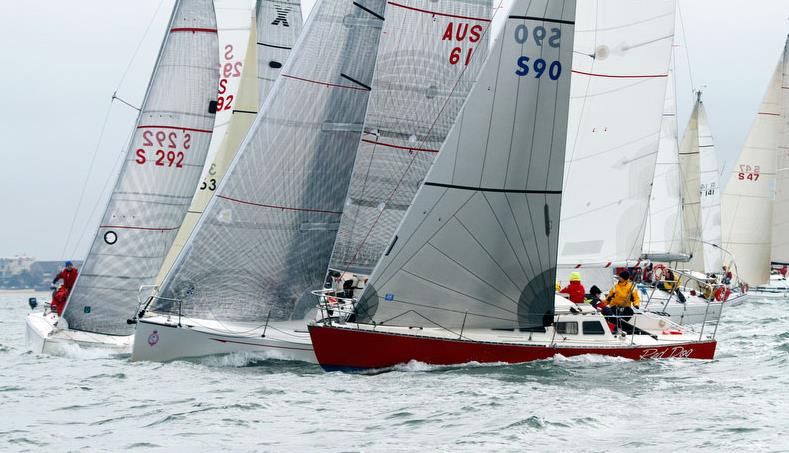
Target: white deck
x=45 y=333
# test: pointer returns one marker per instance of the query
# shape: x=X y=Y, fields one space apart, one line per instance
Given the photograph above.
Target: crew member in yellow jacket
x=622 y=298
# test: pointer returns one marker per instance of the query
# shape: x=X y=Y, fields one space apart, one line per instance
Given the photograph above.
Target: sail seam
x=407 y=148
x=336 y=85
x=544 y=19
x=207 y=131
x=456 y=16
x=123 y=227
x=491 y=189
x=351 y=79
x=286 y=208
x=274 y=46
x=368 y=10
x=617 y=76
x=193 y=30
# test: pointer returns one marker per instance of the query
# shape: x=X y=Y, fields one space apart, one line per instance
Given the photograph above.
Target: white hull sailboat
x=151 y=195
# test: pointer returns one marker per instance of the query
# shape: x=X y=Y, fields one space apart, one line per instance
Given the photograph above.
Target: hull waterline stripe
x=193 y=30
x=407 y=148
x=285 y=208
x=490 y=189
x=456 y=16
x=335 y=85
x=260 y=345
x=207 y=131
x=614 y=76
x=123 y=227
x=544 y=19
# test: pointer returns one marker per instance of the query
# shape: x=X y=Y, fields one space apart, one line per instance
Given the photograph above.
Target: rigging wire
x=686 y=46
x=101 y=138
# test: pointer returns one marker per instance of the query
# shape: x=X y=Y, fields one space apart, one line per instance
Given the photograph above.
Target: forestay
x=158 y=177
x=701 y=193
x=618 y=90
x=478 y=245
x=780 y=234
x=279 y=25
x=663 y=240
x=266 y=237
x=427 y=63
x=747 y=202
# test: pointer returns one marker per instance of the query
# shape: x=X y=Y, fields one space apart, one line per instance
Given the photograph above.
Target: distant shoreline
x=21 y=292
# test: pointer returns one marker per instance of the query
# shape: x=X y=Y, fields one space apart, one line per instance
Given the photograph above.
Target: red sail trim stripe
x=122 y=227
x=207 y=131
x=614 y=76
x=438 y=14
x=769 y=113
x=324 y=83
x=407 y=148
x=193 y=30
x=285 y=208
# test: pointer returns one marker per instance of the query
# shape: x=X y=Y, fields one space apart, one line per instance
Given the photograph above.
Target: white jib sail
x=158 y=178
x=620 y=69
x=266 y=237
x=747 y=202
x=279 y=25
x=663 y=239
x=780 y=234
x=478 y=245
x=701 y=193
x=429 y=58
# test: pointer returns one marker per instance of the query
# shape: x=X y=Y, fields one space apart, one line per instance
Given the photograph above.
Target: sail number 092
x=538 y=66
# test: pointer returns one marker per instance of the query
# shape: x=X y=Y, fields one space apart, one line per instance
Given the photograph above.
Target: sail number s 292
x=538 y=67
x=163 y=148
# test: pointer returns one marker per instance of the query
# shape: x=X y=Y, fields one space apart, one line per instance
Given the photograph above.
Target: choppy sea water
x=90 y=400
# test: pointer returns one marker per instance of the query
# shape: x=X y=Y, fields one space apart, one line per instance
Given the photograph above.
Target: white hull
x=695 y=310
x=43 y=335
x=160 y=339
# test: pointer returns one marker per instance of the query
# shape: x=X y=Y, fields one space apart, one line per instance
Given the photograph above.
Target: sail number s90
x=161 y=148
x=539 y=66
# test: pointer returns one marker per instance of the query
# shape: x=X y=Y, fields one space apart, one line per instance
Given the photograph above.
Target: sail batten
x=164 y=162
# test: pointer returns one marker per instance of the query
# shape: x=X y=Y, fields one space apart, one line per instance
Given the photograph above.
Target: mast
x=158 y=177
x=478 y=245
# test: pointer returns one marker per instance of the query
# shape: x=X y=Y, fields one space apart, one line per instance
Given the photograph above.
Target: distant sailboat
x=469 y=274
x=153 y=190
x=756 y=200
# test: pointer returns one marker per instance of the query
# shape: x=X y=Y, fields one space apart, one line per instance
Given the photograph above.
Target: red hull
x=347 y=349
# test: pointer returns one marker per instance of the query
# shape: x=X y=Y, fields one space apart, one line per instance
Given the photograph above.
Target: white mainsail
x=620 y=70
x=478 y=245
x=429 y=60
x=701 y=193
x=779 y=253
x=267 y=235
x=663 y=239
x=158 y=177
x=747 y=202
x=279 y=24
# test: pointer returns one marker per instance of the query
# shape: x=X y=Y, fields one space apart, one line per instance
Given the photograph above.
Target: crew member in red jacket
x=575 y=290
x=69 y=276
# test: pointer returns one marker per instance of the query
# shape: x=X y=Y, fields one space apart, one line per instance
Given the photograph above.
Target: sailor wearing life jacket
x=623 y=297
x=69 y=276
x=575 y=290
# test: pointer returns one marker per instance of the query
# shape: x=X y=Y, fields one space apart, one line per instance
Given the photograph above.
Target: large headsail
x=780 y=234
x=428 y=62
x=279 y=25
x=701 y=193
x=267 y=235
x=663 y=239
x=747 y=202
x=620 y=70
x=157 y=179
x=478 y=245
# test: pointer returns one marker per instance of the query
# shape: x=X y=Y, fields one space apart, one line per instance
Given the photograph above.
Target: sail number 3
x=161 y=148
x=539 y=66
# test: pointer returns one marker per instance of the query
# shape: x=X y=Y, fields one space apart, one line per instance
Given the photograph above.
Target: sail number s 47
x=538 y=67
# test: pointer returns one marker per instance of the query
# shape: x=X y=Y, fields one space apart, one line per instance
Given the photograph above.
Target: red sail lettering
x=460 y=32
x=448 y=33
x=140 y=156
x=222 y=86
x=476 y=31
x=229 y=52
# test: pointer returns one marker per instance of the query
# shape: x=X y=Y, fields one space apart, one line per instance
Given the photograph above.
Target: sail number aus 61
x=538 y=66
x=161 y=148
x=748 y=173
x=461 y=32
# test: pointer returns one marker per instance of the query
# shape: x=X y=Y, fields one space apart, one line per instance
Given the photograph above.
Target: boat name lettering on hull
x=677 y=352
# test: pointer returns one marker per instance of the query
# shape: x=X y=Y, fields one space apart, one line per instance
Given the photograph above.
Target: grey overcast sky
x=64 y=60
